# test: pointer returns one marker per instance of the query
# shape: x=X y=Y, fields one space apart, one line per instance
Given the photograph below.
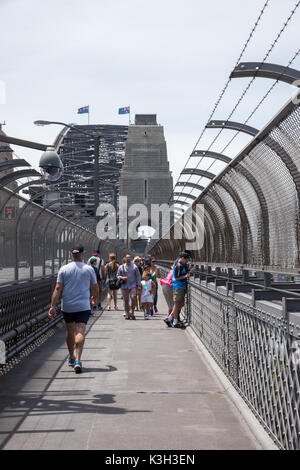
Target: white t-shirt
x=146 y=288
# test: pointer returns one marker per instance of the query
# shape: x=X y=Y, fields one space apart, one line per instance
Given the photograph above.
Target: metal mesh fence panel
x=252 y=206
x=259 y=352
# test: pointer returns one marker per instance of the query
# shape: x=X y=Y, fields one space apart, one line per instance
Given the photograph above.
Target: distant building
x=145 y=176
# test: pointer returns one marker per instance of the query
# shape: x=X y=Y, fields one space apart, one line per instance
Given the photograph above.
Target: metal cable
x=273 y=44
x=229 y=79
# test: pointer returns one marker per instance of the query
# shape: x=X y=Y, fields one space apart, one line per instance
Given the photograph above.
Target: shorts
x=77 y=317
x=178 y=295
x=168 y=294
x=128 y=292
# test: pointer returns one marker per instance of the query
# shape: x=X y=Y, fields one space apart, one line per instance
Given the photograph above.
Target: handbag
x=116 y=283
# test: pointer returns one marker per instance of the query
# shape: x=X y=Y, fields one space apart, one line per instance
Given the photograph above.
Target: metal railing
x=34 y=243
x=24 y=313
x=251 y=327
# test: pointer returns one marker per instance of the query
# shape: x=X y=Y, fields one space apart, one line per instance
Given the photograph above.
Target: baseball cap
x=77 y=249
x=96 y=252
x=93 y=259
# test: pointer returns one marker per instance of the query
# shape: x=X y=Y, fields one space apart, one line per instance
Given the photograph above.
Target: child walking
x=148 y=288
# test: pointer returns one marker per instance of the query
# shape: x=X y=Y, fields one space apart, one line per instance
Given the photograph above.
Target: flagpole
x=129 y=115
x=88 y=114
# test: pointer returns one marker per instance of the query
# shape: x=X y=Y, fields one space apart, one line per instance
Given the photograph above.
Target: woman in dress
x=111 y=270
x=155 y=271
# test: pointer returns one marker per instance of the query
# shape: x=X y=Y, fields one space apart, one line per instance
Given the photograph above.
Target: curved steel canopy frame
x=235 y=126
x=190 y=185
x=7 y=165
x=190 y=196
x=266 y=70
x=198 y=172
x=209 y=154
x=18 y=174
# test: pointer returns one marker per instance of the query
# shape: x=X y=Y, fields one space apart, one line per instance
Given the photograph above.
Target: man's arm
x=120 y=273
x=95 y=293
x=138 y=277
x=55 y=299
x=103 y=270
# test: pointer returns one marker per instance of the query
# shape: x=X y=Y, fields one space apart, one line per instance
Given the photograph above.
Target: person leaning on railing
x=179 y=284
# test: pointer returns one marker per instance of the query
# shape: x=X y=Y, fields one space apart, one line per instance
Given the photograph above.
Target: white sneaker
x=124 y=314
x=146 y=316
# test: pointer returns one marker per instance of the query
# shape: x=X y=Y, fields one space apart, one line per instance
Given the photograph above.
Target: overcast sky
x=166 y=57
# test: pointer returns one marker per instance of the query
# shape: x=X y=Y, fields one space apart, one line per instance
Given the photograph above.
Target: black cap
x=77 y=249
x=184 y=255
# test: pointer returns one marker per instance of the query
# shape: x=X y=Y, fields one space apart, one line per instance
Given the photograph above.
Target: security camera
x=51 y=165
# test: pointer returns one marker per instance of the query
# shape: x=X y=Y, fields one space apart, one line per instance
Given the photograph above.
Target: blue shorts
x=77 y=317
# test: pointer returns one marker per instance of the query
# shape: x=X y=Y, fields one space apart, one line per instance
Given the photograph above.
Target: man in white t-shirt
x=100 y=273
x=75 y=282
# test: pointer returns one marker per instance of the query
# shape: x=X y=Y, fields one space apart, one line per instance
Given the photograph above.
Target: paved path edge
x=253 y=423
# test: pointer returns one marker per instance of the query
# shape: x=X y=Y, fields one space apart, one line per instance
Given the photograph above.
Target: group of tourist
x=80 y=286
x=137 y=279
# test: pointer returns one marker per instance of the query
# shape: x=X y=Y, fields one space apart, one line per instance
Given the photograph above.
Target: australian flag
x=125 y=110
x=84 y=109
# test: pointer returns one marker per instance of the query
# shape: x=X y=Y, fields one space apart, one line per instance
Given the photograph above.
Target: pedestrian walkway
x=143 y=386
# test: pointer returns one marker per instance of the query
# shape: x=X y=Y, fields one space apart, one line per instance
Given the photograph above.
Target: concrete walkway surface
x=143 y=386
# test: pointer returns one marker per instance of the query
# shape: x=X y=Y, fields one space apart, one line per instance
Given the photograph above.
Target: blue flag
x=84 y=109
x=125 y=110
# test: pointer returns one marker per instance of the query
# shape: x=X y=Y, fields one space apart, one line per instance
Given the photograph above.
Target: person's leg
x=133 y=301
x=79 y=339
x=155 y=297
x=146 y=307
x=125 y=293
x=139 y=298
x=108 y=299
x=168 y=295
x=178 y=297
x=100 y=293
x=175 y=310
x=70 y=338
x=115 y=294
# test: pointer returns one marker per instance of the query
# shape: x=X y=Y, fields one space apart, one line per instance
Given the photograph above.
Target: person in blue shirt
x=75 y=282
x=179 y=284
